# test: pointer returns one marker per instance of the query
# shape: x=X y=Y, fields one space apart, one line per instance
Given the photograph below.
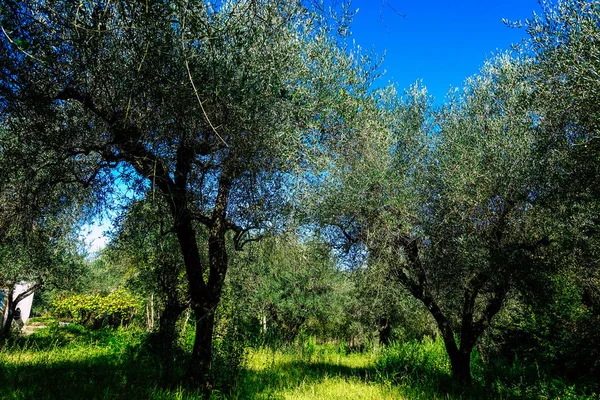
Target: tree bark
x=199 y=370
x=205 y=304
x=461 y=366
x=9 y=313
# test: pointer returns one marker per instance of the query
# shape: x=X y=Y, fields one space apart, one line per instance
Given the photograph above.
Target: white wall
x=25 y=304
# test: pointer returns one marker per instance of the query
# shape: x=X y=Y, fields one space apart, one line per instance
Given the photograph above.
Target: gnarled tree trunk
x=385 y=331
x=10 y=308
x=471 y=329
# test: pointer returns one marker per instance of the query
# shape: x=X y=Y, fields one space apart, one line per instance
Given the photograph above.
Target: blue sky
x=439 y=41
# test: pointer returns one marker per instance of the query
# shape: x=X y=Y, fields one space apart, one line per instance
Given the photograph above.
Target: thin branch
x=239 y=234
x=492 y=308
x=203 y=219
x=187 y=66
x=19 y=47
x=387 y=3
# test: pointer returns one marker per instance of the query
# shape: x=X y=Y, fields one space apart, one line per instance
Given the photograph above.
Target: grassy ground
x=72 y=363
x=326 y=372
x=323 y=375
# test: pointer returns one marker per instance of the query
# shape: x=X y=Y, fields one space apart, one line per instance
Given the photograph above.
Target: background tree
x=447 y=201
x=212 y=104
x=290 y=286
x=145 y=247
x=386 y=310
x=39 y=214
x=563 y=41
x=42 y=261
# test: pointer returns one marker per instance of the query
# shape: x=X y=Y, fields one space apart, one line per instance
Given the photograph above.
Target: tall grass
x=74 y=363
x=423 y=369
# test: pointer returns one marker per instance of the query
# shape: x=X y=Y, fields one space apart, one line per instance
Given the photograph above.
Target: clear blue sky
x=439 y=41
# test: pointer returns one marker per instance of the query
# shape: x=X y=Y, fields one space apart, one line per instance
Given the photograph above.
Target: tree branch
x=492 y=308
x=26 y=293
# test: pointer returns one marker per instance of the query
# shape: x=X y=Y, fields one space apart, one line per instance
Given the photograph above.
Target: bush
x=116 y=309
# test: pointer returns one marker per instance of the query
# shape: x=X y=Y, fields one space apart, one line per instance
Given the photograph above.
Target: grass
x=325 y=375
x=70 y=362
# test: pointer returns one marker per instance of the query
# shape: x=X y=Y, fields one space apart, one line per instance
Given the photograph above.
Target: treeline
x=264 y=184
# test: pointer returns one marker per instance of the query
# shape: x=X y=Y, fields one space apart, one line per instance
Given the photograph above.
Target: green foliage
x=385 y=310
x=115 y=309
x=217 y=106
x=485 y=210
x=558 y=331
x=146 y=252
x=289 y=287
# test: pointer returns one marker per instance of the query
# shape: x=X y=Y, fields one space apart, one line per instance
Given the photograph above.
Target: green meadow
x=70 y=362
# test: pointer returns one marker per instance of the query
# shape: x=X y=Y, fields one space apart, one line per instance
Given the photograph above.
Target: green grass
x=324 y=375
x=73 y=363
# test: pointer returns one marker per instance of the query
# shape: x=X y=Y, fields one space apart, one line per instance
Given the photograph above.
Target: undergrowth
x=71 y=362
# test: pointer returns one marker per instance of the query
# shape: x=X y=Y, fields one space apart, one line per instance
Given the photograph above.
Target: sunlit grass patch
x=343 y=388
x=324 y=372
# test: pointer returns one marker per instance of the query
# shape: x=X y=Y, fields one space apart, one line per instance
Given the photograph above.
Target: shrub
x=116 y=309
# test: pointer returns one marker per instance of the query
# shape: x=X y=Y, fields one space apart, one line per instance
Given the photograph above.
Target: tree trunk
x=11 y=306
x=206 y=300
x=385 y=331
x=168 y=319
x=461 y=366
x=198 y=373
x=9 y=314
x=205 y=304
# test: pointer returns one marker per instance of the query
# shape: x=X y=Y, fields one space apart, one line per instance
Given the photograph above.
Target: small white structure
x=24 y=305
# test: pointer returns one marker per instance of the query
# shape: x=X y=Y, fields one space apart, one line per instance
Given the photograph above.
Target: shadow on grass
x=83 y=364
x=94 y=377
x=56 y=337
x=120 y=367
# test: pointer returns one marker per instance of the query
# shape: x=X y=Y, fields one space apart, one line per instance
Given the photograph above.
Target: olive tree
x=447 y=200
x=565 y=43
x=288 y=285
x=564 y=40
x=213 y=106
